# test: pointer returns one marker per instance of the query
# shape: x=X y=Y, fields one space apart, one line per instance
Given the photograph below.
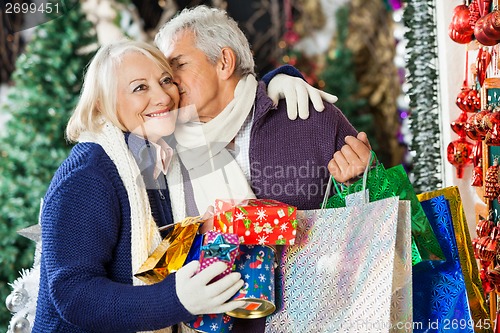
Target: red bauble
x=480 y=35
x=460 y=30
x=468 y=100
x=471 y=128
x=460 y=155
x=484 y=227
x=458 y=125
x=487 y=248
x=492 y=138
x=491 y=26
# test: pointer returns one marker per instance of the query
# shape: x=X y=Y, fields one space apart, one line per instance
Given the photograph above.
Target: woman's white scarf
x=145 y=236
x=213 y=172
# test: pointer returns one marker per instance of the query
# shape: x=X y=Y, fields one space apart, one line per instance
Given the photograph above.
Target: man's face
x=197 y=78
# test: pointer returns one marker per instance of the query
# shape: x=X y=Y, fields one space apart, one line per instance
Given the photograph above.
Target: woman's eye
x=140 y=88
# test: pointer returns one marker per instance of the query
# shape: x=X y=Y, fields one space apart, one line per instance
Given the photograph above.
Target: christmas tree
x=47 y=82
x=340 y=79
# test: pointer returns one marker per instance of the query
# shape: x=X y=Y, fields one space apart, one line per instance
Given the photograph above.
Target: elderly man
x=242 y=145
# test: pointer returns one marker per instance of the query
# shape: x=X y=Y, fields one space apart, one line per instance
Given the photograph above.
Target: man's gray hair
x=213 y=30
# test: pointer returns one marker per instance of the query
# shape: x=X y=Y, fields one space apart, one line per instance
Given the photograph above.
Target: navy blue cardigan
x=85 y=279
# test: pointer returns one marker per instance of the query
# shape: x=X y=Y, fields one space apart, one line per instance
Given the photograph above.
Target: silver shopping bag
x=339 y=277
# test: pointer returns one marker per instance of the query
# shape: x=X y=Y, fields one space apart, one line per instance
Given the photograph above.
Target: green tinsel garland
x=425 y=146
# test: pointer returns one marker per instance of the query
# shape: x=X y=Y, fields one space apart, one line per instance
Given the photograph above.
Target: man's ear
x=227 y=63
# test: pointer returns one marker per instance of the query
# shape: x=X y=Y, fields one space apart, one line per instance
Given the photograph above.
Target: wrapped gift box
x=257 y=221
x=219 y=247
x=170 y=255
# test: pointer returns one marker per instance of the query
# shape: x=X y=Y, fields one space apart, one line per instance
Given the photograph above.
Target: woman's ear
x=227 y=63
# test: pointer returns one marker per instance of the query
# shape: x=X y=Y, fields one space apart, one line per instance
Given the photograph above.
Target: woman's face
x=147 y=98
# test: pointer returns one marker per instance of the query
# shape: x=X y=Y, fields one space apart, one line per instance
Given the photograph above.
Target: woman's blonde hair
x=99 y=90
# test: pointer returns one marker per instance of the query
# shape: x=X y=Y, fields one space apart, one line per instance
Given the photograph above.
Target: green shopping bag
x=385 y=183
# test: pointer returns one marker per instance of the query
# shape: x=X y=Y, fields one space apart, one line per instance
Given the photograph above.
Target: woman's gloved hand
x=297 y=93
x=201 y=297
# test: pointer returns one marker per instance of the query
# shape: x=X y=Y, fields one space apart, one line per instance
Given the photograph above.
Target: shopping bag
x=440 y=301
x=384 y=183
x=473 y=285
x=338 y=277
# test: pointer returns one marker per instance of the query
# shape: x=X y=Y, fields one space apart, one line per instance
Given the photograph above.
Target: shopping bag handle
x=373 y=157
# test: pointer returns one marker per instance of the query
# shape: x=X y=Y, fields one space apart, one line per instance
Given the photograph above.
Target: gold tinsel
x=371 y=40
x=311 y=16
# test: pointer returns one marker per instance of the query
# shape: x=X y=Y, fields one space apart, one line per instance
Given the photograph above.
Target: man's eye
x=179 y=65
x=140 y=87
x=167 y=80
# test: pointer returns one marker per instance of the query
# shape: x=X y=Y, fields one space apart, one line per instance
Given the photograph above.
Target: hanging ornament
x=480 y=34
x=487 y=248
x=482 y=62
x=484 y=7
x=484 y=123
x=459 y=29
x=492 y=188
x=492 y=137
x=485 y=226
x=491 y=26
x=474 y=13
x=459 y=154
x=468 y=99
x=484 y=275
x=477 y=153
x=21 y=325
x=477 y=176
x=458 y=125
x=16 y=300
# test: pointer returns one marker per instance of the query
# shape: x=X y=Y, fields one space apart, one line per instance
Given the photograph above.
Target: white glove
x=199 y=297
x=295 y=92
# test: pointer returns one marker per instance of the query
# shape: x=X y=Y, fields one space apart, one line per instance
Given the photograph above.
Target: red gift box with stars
x=257 y=221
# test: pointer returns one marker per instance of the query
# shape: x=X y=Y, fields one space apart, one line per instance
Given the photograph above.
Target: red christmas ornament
x=484 y=227
x=458 y=125
x=484 y=7
x=477 y=176
x=491 y=26
x=474 y=13
x=487 y=286
x=488 y=248
x=459 y=29
x=482 y=62
x=459 y=154
x=477 y=153
x=492 y=188
x=492 y=138
x=468 y=99
x=480 y=34
x=471 y=128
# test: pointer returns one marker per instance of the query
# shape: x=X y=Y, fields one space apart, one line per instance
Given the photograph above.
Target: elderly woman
x=102 y=210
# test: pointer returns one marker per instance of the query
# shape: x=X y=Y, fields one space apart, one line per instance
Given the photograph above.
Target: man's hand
x=351 y=160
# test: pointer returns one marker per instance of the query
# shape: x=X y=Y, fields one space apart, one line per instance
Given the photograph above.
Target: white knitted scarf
x=213 y=172
x=145 y=236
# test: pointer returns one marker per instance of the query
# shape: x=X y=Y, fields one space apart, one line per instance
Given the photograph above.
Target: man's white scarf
x=213 y=172
x=145 y=236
